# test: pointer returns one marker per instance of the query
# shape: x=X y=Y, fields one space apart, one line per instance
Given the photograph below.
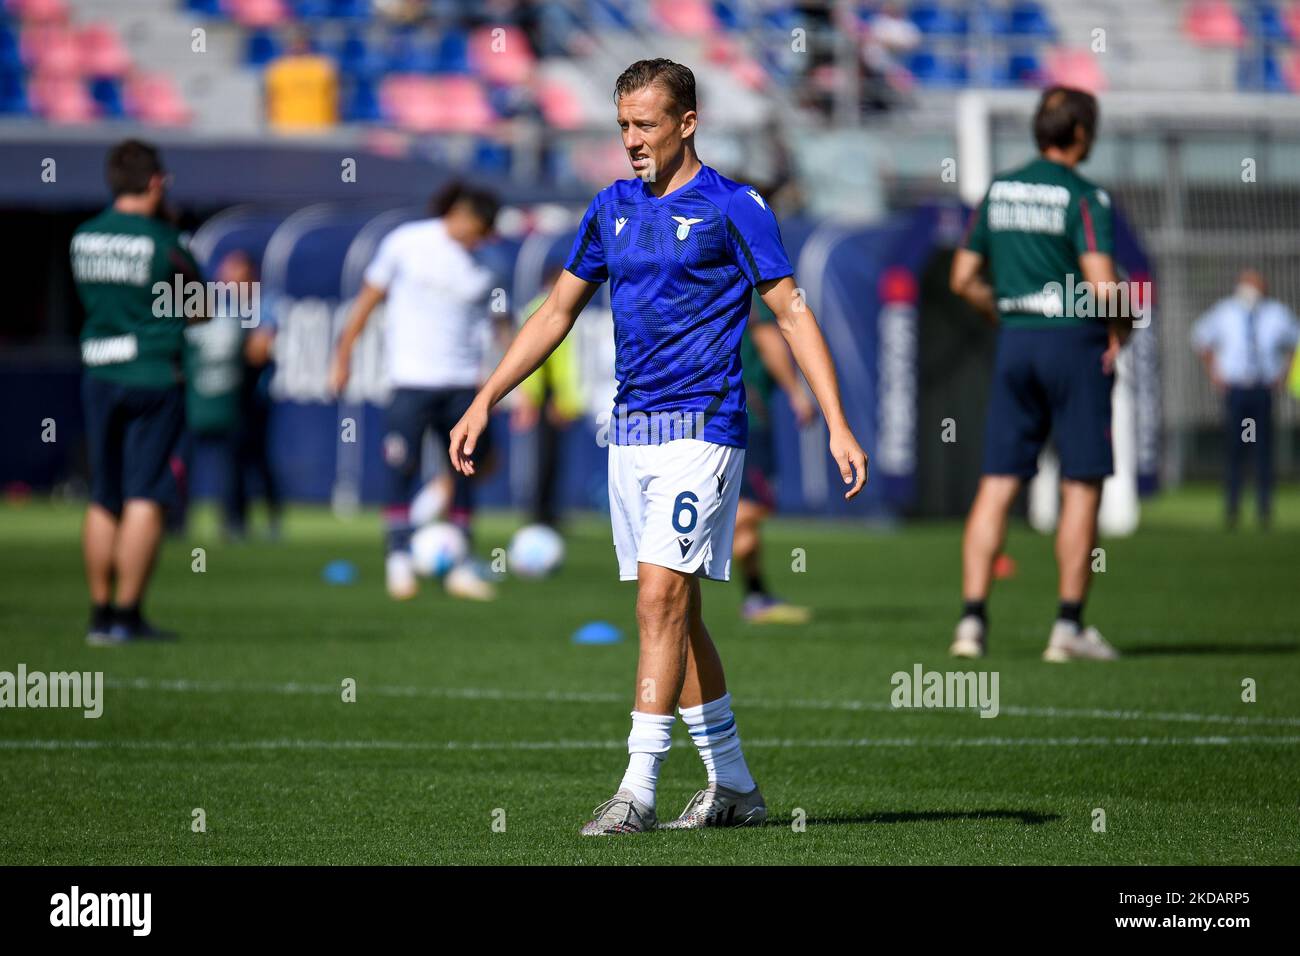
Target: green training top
x=214 y=375
x=1032 y=226
x=117 y=258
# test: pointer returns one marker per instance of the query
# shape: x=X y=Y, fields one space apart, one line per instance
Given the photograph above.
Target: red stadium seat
x=1076 y=68
x=62 y=99
x=39 y=11
x=51 y=49
x=687 y=17
x=560 y=106
x=102 y=51
x=258 y=13
x=154 y=99
x=1214 y=23
x=423 y=104
x=503 y=57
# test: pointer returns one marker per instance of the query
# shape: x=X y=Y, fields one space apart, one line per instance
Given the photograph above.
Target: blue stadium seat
x=990 y=21
x=1028 y=19
x=1261 y=72
x=263 y=47
x=13 y=92
x=1024 y=68
x=930 y=69
x=608 y=15
x=107 y=94
x=411 y=52
x=350 y=9
x=453 y=52
x=208 y=8
x=358 y=55
x=360 y=102
x=933 y=19
x=311 y=9
x=491 y=158
x=10 y=52
x=1265 y=20
x=730 y=15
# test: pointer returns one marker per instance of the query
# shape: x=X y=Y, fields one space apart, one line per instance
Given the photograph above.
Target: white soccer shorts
x=674 y=505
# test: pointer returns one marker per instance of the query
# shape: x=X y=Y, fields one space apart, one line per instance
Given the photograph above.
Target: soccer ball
x=536 y=551
x=437 y=548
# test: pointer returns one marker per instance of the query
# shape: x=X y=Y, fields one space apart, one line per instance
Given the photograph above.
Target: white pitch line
x=470 y=745
x=578 y=697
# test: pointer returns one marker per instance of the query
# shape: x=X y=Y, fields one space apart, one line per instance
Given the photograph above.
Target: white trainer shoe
x=968 y=639
x=466 y=581
x=1070 y=643
x=399 y=571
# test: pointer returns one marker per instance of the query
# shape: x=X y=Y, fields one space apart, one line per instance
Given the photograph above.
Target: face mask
x=1248 y=294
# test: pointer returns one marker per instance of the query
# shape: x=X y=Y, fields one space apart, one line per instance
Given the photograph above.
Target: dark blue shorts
x=758 y=480
x=1050 y=381
x=131 y=434
x=411 y=412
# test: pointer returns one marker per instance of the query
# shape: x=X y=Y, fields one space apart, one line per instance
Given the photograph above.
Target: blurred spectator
x=1247 y=344
x=302 y=88
x=886 y=40
x=226 y=407
x=549 y=400
x=401 y=11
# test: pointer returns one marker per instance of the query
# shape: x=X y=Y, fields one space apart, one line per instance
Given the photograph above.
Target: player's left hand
x=848 y=454
x=803 y=409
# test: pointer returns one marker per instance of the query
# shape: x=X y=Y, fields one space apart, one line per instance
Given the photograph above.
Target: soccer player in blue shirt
x=682 y=247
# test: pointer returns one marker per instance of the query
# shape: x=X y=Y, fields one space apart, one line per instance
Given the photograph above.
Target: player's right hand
x=464 y=438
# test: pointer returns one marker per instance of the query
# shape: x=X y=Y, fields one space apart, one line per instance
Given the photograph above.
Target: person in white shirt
x=1247 y=343
x=436 y=316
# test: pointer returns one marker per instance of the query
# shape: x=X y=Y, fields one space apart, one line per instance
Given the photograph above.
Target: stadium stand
x=202 y=63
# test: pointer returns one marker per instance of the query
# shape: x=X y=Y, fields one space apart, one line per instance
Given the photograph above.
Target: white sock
x=647 y=745
x=713 y=728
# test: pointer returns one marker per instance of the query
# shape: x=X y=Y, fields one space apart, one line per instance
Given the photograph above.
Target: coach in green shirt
x=1044 y=233
x=131 y=349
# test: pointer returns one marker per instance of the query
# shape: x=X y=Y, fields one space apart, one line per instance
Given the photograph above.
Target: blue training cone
x=597 y=632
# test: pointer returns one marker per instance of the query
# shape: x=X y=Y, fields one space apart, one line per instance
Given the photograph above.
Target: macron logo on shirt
x=619 y=223
x=753 y=194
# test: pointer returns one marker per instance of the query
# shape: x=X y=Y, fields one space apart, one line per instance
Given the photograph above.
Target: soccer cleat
x=765 y=609
x=1070 y=643
x=719 y=806
x=968 y=639
x=399 y=572
x=467 y=581
x=142 y=632
x=621 y=813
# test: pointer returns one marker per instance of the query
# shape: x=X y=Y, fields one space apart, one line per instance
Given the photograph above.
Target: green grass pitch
x=473 y=715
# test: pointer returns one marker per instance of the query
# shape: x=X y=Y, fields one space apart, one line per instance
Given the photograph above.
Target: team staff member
x=134 y=403
x=1039 y=225
x=1247 y=343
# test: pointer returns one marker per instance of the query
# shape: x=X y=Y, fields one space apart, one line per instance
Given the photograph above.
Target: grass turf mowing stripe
x=1213 y=741
x=579 y=697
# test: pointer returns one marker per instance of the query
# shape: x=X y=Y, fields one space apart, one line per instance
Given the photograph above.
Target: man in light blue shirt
x=1246 y=343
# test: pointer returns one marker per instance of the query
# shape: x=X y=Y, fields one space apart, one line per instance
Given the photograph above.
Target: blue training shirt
x=681 y=271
